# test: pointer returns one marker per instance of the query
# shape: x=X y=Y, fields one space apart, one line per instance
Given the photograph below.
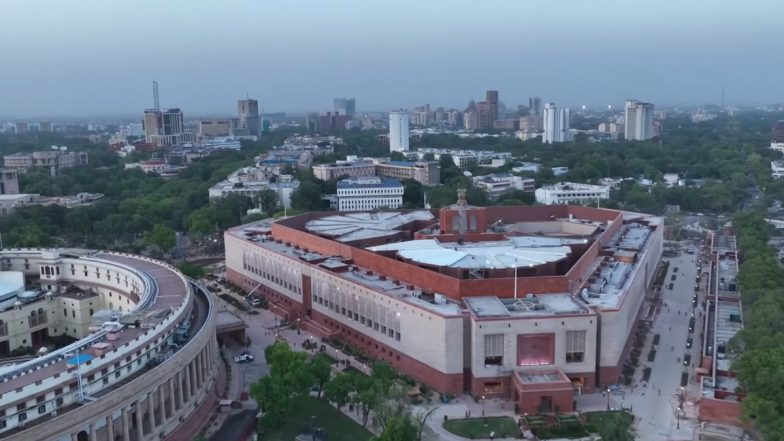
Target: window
x=575 y=346
x=494 y=350
x=41 y=409
x=22 y=416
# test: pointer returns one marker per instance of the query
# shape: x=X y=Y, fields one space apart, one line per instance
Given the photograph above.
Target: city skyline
x=575 y=54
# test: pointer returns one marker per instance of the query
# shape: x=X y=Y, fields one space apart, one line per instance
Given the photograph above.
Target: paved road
x=655 y=411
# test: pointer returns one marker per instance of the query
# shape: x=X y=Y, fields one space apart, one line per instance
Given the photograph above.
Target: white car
x=243 y=358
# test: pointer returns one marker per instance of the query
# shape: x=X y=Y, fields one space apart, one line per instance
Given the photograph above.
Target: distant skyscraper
x=556 y=124
x=165 y=127
x=491 y=98
x=535 y=106
x=535 y=113
x=639 y=121
x=345 y=106
x=398 y=131
x=471 y=117
x=249 y=117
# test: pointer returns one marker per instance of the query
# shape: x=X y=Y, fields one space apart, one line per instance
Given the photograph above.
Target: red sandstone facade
x=444 y=347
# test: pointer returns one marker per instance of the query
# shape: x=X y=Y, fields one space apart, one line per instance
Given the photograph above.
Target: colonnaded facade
x=147 y=371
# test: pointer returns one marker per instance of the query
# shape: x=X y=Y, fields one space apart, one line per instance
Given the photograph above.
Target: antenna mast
x=155 y=95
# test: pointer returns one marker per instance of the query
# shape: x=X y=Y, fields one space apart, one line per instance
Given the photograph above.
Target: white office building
x=639 y=121
x=556 y=124
x=398 y=131
x=571 y=193
x=369 y=193
x=777 y=169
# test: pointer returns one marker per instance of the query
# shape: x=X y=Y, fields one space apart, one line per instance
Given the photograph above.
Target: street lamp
x=607 y=391
x=483 y=405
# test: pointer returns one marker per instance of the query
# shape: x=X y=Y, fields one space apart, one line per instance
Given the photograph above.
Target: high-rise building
x=491 y=98
x=639 y=121
x=345 y=106
x=556 y=124
x=22 y=128
x=535 y=113
x=165 y=127
x=398 y=131
x=248 y=110
x=535 y=106
x=471 y=117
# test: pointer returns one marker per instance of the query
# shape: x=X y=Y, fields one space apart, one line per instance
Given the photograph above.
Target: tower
x=398 y=131
x=639 y=120
x=248 y=110
x=155 y=95
x=556 y=124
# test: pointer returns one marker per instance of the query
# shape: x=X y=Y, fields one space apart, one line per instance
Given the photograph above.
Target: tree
x=339 y=389
x=321 y=370
x=289 y=377
x=307 y=197
x=369 y=394
x=413 y=193
x=161 y=237
x=268 y=201
x=399 y=429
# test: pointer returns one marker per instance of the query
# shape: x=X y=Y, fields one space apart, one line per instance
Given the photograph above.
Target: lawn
x=337 y=425
x=569 y=430
x=480 y=428
x=614 y=424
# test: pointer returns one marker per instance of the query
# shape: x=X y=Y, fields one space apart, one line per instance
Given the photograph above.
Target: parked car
x=245 y=357
x=689 y=342
x=686 y=359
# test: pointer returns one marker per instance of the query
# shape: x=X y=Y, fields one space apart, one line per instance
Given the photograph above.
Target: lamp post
x=607 y=391
x=483 y=405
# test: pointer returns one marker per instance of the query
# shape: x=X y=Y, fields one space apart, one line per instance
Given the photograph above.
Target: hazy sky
x=99 y=57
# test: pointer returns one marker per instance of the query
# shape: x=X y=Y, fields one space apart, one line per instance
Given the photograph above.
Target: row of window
x=365 y=321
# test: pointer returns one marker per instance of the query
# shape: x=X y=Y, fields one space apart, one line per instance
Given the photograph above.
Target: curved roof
x=509 y=253
x=356 y=226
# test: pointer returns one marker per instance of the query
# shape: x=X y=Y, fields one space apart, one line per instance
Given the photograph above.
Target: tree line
x=760 y=345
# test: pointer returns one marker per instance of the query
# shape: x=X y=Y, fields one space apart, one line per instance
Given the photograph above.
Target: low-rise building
x=348 y=168
x=56 y=159
x=425 y=172
x=527 y=167
x=777 y=169
x=464 y=159
x=250 y=181
x=499 y=184
x=569 y=193
x=369 y=193
x=558 y=171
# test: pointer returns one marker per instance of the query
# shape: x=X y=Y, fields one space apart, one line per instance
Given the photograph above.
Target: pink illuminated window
x=535 y=349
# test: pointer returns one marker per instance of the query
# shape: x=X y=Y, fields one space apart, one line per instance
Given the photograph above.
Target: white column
x=93 y=433
x=139 y=418
x=126 y=425
x=110 y=428
x=151 y=411
x=162 y=404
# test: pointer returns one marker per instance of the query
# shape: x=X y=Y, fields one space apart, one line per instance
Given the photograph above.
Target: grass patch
x=480 y=428
x=567 y=418
x=570 y=430
x=337 y=425
x=614 y=425
x=535 y=420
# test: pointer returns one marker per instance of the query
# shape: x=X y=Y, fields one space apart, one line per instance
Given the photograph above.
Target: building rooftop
x=510 y=253
x=529 y=305
x=571 y=186
x=355 y=226
x=368 y=182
